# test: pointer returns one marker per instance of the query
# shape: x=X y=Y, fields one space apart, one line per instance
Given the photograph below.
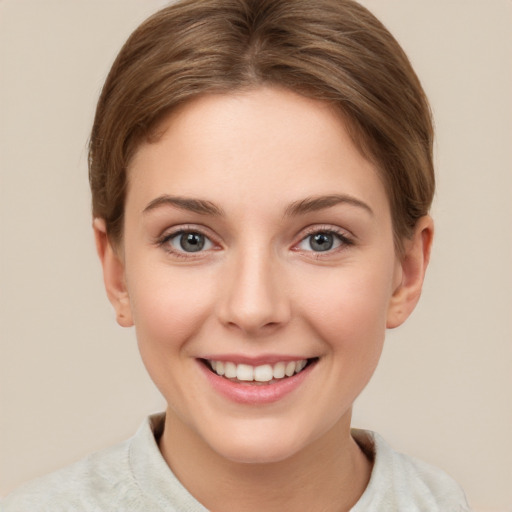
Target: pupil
x=192 y=242
x=321 y=242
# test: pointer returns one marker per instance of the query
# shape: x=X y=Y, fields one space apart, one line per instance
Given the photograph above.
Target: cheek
x=168 y=307
x=348 y=307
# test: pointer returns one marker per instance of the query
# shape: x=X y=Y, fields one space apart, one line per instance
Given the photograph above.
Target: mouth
x=263 y=374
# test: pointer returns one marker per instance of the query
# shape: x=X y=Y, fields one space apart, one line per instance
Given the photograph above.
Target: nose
x=254 y=299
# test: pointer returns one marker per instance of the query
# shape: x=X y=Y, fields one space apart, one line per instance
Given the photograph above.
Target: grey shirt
x=134 y=477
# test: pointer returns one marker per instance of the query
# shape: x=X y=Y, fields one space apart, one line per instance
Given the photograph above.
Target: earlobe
x=412 y=268
x=113 y=274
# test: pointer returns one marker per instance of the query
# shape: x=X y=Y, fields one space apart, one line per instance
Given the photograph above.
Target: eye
x=189 y=241
x=323 y=241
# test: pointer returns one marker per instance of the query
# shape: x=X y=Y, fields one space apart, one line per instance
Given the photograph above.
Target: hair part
x=334 y=51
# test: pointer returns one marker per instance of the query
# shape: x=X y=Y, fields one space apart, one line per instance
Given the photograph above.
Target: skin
x=259 y=289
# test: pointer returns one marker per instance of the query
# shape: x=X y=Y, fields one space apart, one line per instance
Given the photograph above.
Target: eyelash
x=341 y=236
x=164 y=241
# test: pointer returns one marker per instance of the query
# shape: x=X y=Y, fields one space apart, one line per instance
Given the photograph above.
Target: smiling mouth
x=258 y=375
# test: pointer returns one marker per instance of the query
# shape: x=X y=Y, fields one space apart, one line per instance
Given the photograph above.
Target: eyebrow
x=301 y=207
x=313 y=204
x=184 y=203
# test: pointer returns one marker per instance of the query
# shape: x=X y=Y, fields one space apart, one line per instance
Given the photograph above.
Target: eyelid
x=346 y=238
x=176 y=240
x=174 y=231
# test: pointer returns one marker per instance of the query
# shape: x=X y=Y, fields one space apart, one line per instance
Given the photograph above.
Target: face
x=259 y=270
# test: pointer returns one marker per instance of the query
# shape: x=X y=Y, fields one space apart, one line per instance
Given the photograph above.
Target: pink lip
x=254 y=361
x=253 y=394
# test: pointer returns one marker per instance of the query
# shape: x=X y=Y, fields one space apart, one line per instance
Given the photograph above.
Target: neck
x=329 y=475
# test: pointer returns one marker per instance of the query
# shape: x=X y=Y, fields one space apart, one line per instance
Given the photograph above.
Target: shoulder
x=130 y=477
x=81 y=486
x=400 y=482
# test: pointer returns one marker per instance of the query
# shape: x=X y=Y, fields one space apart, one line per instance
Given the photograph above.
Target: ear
x=411 y=272
x=113 y=274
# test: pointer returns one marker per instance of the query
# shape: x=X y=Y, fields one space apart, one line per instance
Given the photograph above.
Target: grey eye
x=321 y=241
x=190 y=241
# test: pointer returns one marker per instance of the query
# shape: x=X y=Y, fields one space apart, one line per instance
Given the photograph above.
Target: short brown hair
x=331 y=50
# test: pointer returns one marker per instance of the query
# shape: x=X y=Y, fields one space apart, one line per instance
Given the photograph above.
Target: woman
x=261 y=176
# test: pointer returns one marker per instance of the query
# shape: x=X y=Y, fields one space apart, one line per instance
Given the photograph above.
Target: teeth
x=219 y=368
x=279 y=370
x=300 y=366
x=230 y=370
x=244 y=372
x=262 y=373
x=290 y=369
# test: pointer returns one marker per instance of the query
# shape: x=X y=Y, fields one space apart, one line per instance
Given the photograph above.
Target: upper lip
x=254 y=360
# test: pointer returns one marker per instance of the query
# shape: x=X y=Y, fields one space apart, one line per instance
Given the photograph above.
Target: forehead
x=266 y=145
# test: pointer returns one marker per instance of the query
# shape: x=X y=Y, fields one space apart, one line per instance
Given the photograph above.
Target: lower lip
x=255 y=394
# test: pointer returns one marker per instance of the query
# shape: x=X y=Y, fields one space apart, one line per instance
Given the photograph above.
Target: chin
x=250 y=454
x=259 y=446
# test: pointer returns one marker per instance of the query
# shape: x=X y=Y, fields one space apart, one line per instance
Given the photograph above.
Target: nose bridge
x=254 y=299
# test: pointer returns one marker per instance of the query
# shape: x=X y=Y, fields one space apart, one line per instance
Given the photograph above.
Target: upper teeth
x=263 y=373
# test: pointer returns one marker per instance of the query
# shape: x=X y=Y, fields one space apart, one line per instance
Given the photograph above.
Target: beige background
x=70 y=379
